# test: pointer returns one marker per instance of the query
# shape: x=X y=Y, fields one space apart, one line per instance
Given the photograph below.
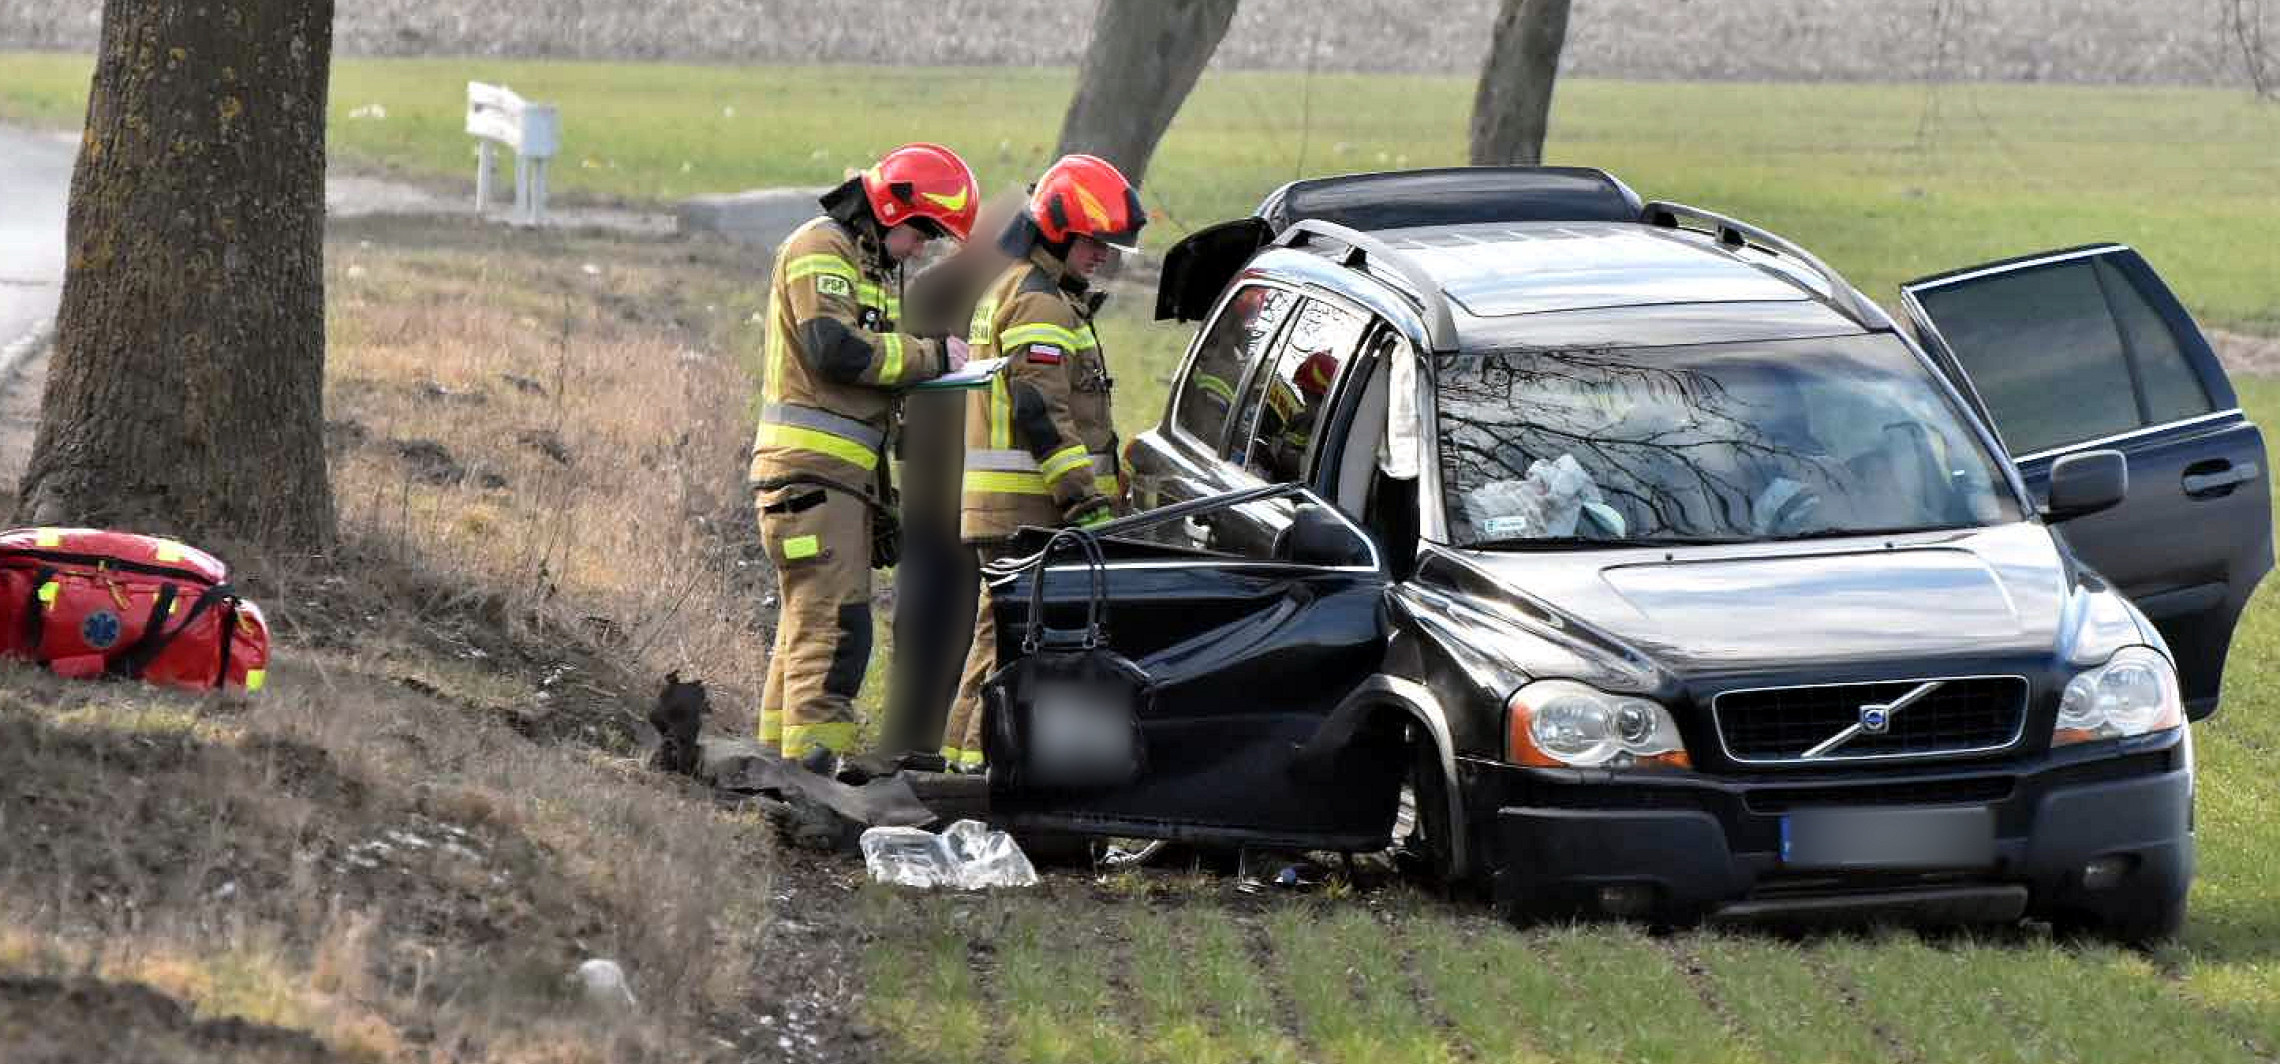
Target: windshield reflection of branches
x=1679 y=451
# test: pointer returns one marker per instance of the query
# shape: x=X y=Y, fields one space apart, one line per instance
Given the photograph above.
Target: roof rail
x=1440 y=322
x=1737 y=234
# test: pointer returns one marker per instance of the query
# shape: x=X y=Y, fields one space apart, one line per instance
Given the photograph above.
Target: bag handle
x=1096 y=567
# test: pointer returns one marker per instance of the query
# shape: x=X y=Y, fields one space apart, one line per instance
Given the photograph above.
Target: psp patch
x=1045 y=354
x=100 y=631
x=834 y=285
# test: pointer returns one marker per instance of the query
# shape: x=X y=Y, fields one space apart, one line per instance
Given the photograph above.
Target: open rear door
x=2087 y=349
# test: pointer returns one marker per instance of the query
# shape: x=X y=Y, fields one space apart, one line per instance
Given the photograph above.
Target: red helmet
x=923 y=183
x=1083 y=195
x=1315 y=374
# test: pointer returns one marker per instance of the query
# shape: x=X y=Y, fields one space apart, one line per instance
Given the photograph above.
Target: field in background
x=1888 y=182
x=2148 y=41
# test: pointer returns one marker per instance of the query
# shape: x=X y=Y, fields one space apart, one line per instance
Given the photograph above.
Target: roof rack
x=1842 y=296
x=1440 y=322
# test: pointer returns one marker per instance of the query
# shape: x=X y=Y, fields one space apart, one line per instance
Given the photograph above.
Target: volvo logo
x=1875 y=719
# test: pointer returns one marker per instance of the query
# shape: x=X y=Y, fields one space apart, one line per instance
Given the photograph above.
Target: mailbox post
x=496 y=116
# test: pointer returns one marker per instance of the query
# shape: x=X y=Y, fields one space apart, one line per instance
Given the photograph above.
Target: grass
x=1887 y=182
x=1060 y=975
x=432 y=814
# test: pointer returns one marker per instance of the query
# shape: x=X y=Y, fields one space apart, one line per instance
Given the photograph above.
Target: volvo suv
x=1622 y=558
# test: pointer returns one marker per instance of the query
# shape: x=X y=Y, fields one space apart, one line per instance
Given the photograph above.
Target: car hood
x=1980 y=594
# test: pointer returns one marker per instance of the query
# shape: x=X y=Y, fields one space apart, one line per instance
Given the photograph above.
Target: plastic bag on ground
x=967 y=856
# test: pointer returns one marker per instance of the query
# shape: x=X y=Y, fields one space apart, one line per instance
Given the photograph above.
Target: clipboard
x=975 y=374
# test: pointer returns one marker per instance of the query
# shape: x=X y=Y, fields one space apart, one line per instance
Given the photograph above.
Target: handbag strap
x=1096 y=567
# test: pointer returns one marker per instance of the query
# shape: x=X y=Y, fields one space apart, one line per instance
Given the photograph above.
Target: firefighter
x=832 y=361
x=1040 y=448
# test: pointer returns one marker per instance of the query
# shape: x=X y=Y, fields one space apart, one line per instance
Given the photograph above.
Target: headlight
x=2133 y=693
x=1565 y=724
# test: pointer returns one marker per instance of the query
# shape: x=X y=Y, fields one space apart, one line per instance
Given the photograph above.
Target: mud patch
x=2245 y=354
x=48 y=1021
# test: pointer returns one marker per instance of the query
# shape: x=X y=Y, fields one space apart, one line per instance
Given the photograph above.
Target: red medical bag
x=85 y=602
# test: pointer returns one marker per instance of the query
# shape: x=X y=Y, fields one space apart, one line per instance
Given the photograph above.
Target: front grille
x=1970 y=790
x=1967 y=715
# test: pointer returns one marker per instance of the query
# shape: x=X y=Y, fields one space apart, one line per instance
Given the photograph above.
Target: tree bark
x=1144 y=57
x=1512 y=108
x=186 y=392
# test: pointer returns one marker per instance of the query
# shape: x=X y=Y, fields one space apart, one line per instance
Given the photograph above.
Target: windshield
x=1717 y=443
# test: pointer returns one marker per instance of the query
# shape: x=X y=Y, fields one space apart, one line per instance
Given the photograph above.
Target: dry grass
x=513 y=422
x=402 y=848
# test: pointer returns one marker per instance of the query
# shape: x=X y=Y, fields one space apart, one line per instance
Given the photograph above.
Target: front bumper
x=1558 y=841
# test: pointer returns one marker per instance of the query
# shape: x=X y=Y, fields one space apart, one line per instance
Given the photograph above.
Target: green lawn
x=1856 y=172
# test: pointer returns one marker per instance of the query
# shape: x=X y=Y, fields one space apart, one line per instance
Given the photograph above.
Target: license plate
x=1920 y=838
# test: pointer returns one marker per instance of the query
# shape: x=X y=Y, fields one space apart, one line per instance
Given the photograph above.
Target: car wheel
x=2142 y=924
x=1421 y=833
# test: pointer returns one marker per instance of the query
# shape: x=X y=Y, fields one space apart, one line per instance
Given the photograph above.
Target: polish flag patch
x=1045 y=353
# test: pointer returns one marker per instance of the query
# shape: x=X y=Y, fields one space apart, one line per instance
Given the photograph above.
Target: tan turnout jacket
x=1040 y=447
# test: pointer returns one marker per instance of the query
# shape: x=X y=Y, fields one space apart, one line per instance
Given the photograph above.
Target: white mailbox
x=495 y=116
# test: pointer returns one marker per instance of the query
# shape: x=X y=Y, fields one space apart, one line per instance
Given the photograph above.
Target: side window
x=2041 y=348
x=2173 y=391
x=1234 y=338
x=2066 y=352
x=1285 y=405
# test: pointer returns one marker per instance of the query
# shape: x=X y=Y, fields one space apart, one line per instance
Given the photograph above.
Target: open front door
x=1249 y=656
x=2087 y=349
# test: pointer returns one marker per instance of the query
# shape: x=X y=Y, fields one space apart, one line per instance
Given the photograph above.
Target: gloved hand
x=886 y=539
x=1092 y=513
x=954 y=354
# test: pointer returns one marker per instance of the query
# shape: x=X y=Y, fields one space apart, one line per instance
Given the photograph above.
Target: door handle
x=2217 y=479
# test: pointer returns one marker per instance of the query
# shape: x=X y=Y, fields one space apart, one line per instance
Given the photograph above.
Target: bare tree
x=1512 y=108
x=1144 y=57
x=2244 y=22
x=186 y=391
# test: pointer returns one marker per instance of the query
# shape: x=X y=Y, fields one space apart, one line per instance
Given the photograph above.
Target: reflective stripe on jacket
x=831 y=358
x=1040 y=446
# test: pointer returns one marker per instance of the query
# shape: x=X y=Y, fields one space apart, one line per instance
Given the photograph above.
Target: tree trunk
x=1143 y=58
x=1513 y=105
x=186 y=391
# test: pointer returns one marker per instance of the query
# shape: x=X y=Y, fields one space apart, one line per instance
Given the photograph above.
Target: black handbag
x=1066 y=713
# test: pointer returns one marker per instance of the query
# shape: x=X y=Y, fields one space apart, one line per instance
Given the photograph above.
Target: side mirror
x=2086 y=483
x=1317 y=536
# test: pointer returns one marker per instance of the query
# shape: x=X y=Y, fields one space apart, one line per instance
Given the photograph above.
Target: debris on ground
x=604 y=983
x=968 y=855
x=812 y=811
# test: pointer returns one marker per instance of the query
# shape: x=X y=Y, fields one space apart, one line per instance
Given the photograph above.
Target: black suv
x=1623 y=558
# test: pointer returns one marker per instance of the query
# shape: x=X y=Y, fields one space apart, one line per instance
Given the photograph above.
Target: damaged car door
x=1248 y=654
x=2086 y=349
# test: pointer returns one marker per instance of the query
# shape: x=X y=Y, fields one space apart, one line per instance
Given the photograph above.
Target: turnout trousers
x=820 y=542
x=962 y=737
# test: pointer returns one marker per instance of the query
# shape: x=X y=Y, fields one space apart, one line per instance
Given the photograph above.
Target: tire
x=2142 y=924
x=1421 y=831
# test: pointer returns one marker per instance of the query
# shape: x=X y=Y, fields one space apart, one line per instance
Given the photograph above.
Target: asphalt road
x=35 y=183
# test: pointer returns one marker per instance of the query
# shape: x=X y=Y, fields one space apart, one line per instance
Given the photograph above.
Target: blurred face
x=905 y=240
x=1087 y=255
